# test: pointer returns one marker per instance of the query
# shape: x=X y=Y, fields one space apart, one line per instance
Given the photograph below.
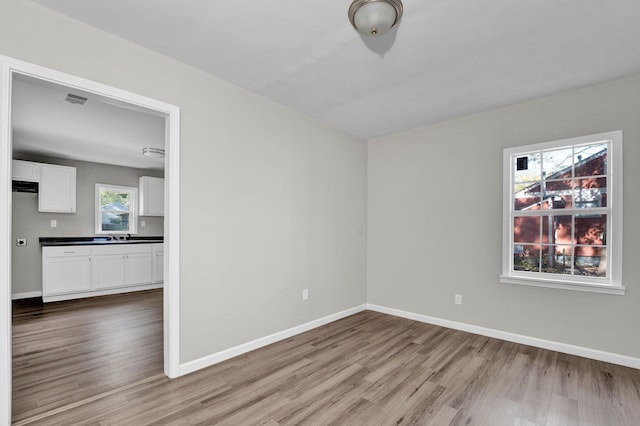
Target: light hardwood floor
x=99 y=361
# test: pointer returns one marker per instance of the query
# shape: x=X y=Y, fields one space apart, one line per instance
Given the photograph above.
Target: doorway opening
x=12 y=71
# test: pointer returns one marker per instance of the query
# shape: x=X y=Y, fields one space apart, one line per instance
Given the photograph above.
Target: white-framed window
x=116 y=209
x=562 y=214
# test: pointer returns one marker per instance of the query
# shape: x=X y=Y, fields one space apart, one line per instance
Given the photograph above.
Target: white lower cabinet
x=66 y=270
x=121 y=265
x=158 y=263
x=108 y=271
x=138 y=268
x=83 y=271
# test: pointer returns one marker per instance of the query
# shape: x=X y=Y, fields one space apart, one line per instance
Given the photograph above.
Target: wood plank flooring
x=100 y=362
x=64 y=352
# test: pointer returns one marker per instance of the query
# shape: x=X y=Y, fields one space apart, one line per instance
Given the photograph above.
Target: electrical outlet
x=143 y=223
x=305 y=294
x=54 y=223
x=21 y=242
x=458 y=299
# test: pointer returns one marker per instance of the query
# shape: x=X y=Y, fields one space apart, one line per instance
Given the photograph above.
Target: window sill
x=565 y=285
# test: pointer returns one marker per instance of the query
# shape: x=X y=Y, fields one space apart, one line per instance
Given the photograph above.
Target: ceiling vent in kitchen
x=75 y=99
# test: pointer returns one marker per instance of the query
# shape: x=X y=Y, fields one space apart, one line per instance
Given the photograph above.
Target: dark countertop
x=92 y=241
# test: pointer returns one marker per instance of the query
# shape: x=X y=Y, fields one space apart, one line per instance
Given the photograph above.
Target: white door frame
x=9 y=67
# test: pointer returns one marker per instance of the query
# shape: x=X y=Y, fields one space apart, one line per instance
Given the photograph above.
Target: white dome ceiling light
x=153 y=152
x=374 y=17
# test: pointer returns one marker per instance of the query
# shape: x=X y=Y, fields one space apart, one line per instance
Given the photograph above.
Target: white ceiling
x=448 y=58
x=101 y=131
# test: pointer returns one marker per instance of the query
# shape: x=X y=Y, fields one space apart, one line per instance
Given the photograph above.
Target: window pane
x=557 y=229
x=526 y=258
x=527 y=168
x=591 y=160
x=558 y=194
x=591 y=261
x=526 y=229
x=591 y=230
x=556 y=259
x=528 y=198
x=591 y=192
x=557 y=164
x=115 y=200
x=112 y=221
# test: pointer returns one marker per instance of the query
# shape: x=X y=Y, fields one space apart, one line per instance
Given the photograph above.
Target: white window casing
x=131 y=211
x=548 y=207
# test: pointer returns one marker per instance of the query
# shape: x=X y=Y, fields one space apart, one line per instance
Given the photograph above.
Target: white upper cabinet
x=151 y=196
x=25 y=171
x=57 y=184
x=57 y=193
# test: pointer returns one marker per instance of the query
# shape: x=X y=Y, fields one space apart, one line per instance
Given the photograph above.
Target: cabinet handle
x=69 y=252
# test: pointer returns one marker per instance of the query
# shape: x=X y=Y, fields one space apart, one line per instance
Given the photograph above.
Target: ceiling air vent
x=75 y=99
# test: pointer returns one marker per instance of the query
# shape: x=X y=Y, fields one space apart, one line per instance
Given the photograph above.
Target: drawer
x=120 y=249
x=66 y=251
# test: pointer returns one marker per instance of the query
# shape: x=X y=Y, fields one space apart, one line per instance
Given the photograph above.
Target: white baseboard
x=27 y=295
x=209 y=360
x=612 y=358
x=117 y=290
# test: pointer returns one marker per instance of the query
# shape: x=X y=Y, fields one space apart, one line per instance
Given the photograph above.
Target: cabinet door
x=108 y=271
x=25 y=171
x=57 y=189
x=158 y=267
x=66 y=275
x=151 y=196
x=138 y=268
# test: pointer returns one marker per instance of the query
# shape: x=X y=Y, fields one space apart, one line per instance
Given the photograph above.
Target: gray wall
x=272 y=201
x=28 y=222
x=435 y=220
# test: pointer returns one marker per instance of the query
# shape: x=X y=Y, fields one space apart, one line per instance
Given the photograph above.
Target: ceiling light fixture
x=153 y=152
x=374 y=17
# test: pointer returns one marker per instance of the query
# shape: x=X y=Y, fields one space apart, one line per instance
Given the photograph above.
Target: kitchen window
x=116 y=210
x=562 y=211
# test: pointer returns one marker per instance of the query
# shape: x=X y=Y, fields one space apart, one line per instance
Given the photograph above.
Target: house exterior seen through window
x=563 y=214
x=116 y=211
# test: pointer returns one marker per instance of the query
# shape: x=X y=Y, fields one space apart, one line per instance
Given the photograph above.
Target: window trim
x=133 y=209
x=612 y=284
